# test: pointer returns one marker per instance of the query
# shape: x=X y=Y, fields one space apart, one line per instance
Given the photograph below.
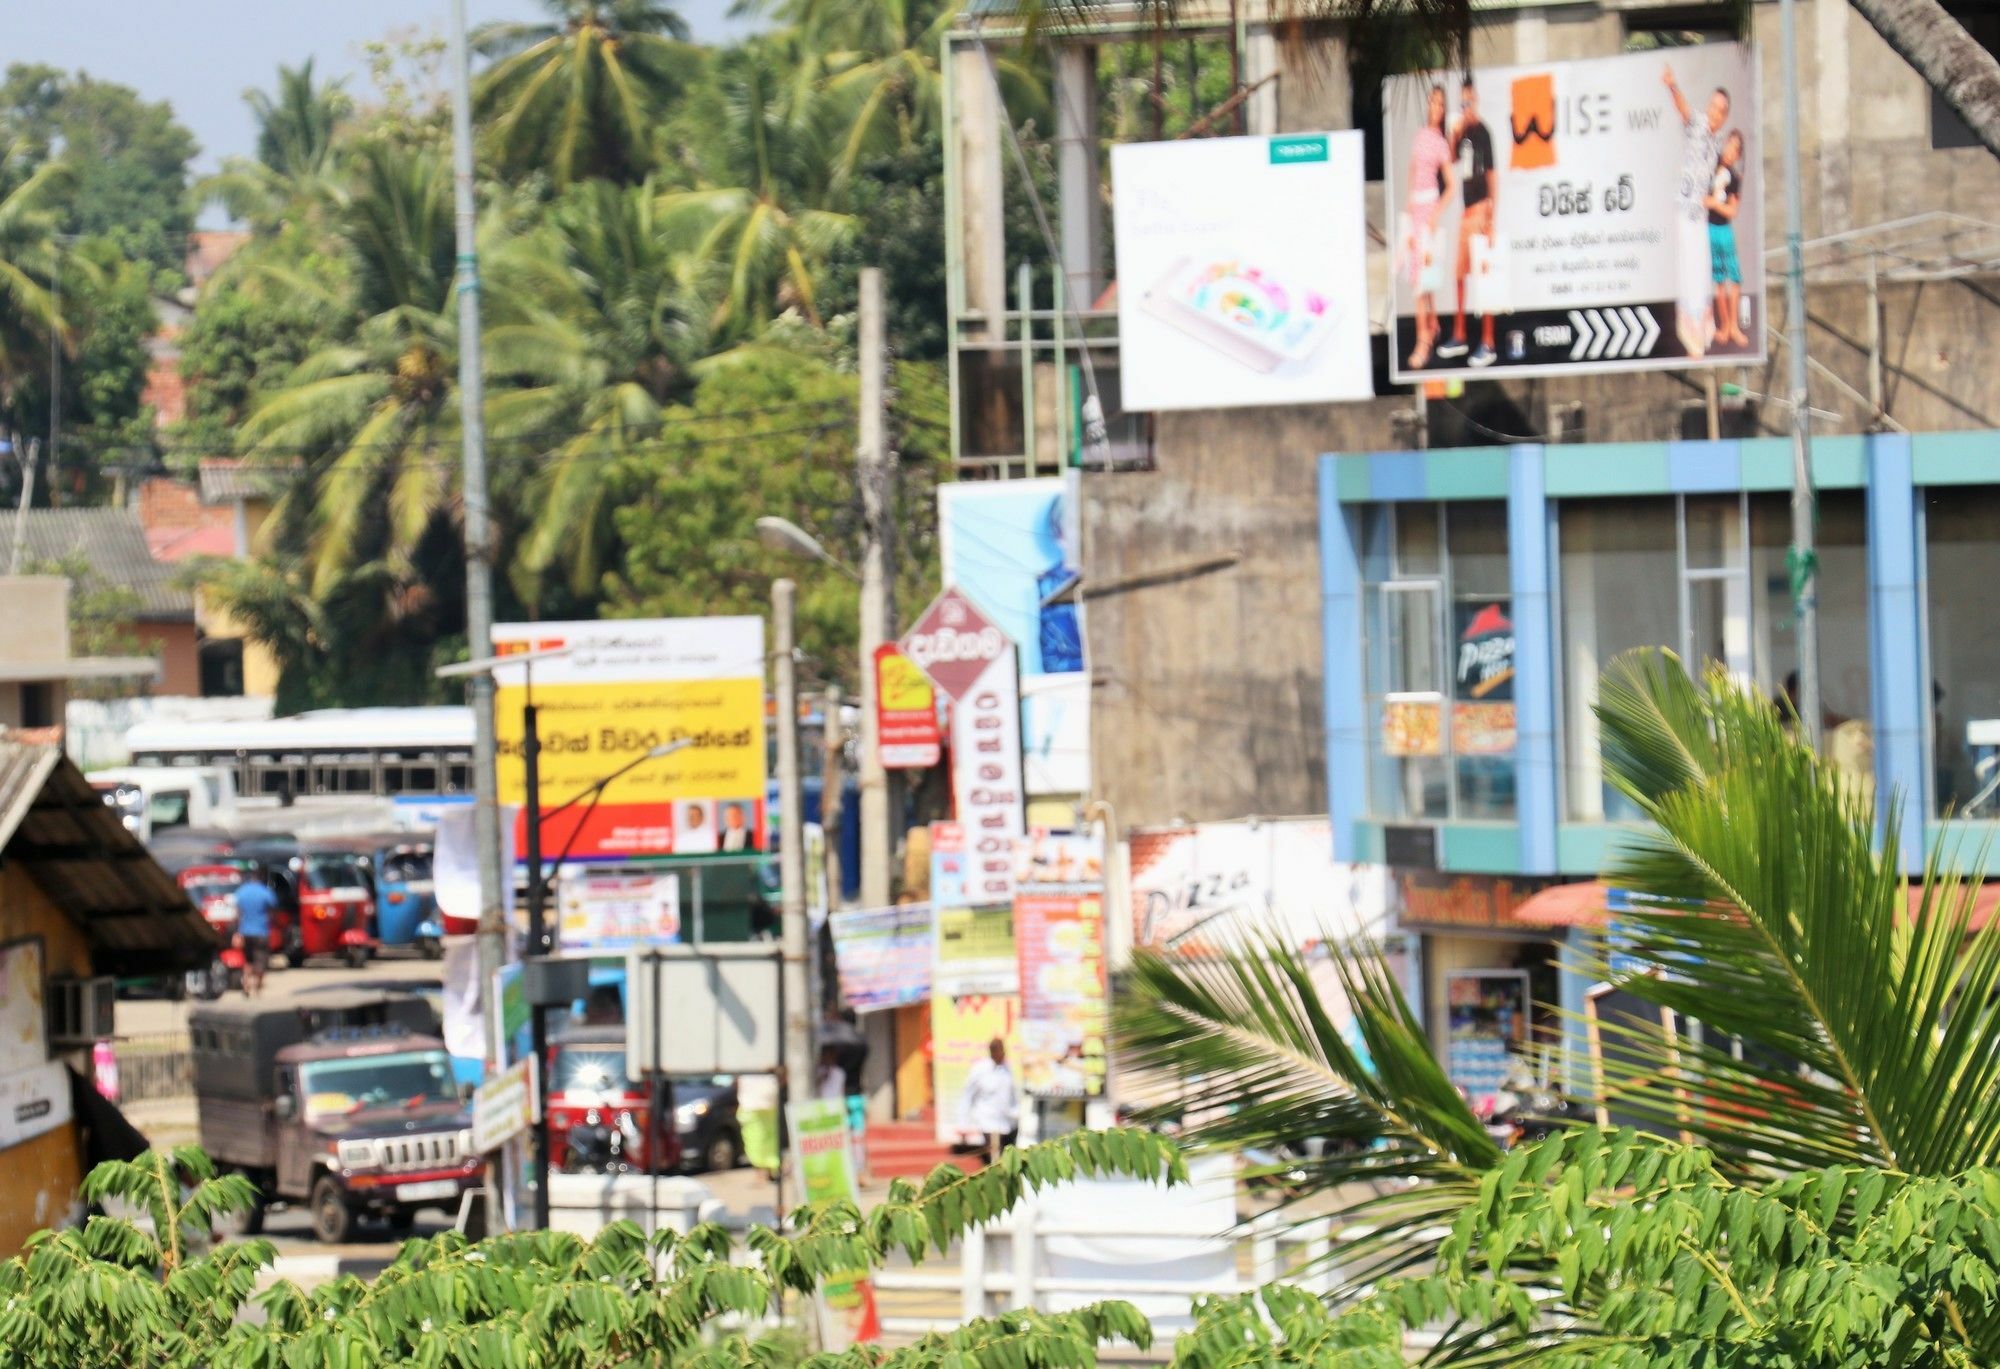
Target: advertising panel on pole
x=883 y=955
x=627 y=686
x=1014 y=543
x=1242 y=271
x=1571 y=217
x=1205 y=889
x=973 y=661
x=505 y=1105
x=906 y=721
x=1059 y=937
x=604 y=908
x=846 y=1298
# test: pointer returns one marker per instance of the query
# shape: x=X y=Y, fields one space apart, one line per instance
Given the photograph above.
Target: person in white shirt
x=830 y=1082
x=990 y=1105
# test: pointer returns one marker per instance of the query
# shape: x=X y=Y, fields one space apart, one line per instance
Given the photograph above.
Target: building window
x=1708 y=577
x=1440 y=663
x=1962 y=565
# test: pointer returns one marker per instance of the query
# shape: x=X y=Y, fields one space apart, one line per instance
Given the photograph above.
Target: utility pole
x=1804 y=557
x=791 y=849
x=876 y=475
x=538 y=1019
x=478 y=530
x=832 y=799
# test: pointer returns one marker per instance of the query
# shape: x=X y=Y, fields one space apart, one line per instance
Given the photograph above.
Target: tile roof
x=113 y=544
x=224 y=479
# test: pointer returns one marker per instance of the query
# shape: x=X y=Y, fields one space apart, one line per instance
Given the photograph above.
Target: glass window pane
x=1714 y=532
x=1407 y=776
x=1412 y=619
x=1620 y=590
x=1417 y=551
x=1476 y=537
x=1846 y=688
x=1963 y=566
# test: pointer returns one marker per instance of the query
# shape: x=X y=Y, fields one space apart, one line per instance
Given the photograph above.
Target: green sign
x=1287 y=151
x=826 y=1165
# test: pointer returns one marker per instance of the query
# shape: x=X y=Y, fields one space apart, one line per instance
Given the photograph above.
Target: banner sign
x=627 y=686
x=1572 y=217
x=1482 y=711
x=505 y=1105
x=883 y=955
x=947 y=865
x=609 y=909
x=1242 y=271
x=1059 y=936
x=962 y=1028
x=957 y=644
x=906 y=722
x=1014 y=542
x=826 y=1173
x=975 y=952
x=1202 y=889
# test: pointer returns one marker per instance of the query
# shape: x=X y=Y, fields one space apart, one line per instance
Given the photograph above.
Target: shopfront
x=1473 y=599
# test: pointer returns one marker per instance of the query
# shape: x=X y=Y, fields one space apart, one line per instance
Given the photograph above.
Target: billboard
x=883 y=955
x=1201 y=889
x=614 y=909
x=1014 y=544
x=1059 y=936
x=1570 y=217
x=628 y=686
x=1242 y=275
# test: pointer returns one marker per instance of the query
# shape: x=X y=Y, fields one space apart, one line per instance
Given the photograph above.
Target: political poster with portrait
x=1570 y=217
x=1242 y=271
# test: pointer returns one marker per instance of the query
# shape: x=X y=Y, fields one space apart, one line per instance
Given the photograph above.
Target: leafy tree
x=764 y=213
x=129 y=157
x=576 y=97
x=897 y=201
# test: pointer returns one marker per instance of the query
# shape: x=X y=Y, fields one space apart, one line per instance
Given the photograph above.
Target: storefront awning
x=1567 y=905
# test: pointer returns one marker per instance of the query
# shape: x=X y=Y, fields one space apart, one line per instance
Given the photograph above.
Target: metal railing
x=154 y=1065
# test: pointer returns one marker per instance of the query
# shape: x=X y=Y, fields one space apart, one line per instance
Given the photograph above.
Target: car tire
x=721 y=1153
x=433 y=948
x=295 y=950
x=332 y=1217
x=357 y=957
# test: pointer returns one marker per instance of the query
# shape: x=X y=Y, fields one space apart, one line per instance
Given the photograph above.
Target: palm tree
x=376 y=413
x=769 y=216
x=28 y=245
x=577 y=97
x=597 y=326
x=298 y=129
x=1845 y=1019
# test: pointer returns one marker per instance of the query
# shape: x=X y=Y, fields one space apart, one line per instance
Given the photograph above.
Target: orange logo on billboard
x=1533 y=117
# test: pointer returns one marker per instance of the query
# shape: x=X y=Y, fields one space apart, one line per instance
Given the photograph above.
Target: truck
x=342 y=1102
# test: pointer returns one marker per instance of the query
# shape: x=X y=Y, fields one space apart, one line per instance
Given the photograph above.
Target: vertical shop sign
x=906 y=725
x=826 y=1172
x=1059 y=936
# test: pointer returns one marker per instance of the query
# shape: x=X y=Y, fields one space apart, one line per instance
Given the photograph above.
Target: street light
x=782 y=534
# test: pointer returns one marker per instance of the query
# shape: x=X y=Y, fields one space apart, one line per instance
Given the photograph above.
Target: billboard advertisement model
x=1570 y=217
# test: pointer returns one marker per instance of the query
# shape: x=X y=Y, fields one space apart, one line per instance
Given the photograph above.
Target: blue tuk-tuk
x=406 y=912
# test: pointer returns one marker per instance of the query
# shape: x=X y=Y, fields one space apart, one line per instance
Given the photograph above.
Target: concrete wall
x=39 y=1177
x=34 y=618
x=177 y=645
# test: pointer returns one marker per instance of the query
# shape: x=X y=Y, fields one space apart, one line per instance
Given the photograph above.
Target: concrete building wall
x=178 y=647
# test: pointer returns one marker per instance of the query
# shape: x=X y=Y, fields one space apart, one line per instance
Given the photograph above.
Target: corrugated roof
x=113 y=544
x=225 y=480
x=56 y=827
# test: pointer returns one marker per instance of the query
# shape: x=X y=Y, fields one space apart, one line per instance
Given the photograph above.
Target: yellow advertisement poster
x=961 y=1031
x=589 y=730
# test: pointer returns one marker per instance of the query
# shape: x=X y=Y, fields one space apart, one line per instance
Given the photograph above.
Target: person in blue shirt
x=254 y=905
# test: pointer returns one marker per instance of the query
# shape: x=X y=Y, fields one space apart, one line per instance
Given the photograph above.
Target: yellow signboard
x=589 y=730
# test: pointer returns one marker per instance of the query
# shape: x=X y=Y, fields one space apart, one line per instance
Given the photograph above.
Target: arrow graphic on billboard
x=1613 y=333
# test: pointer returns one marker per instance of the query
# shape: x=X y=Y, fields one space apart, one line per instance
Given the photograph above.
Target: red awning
x=1565 y=905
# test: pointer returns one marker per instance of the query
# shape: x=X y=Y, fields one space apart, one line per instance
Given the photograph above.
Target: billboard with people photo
x=1566 y=217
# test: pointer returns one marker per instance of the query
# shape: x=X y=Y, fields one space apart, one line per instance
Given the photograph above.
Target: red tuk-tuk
x=325 y=894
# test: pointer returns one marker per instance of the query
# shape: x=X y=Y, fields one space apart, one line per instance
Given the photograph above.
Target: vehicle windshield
x=590 y=1069
x=334 y=872
x=213 y=886
x=334 y=1088
x=405 y=866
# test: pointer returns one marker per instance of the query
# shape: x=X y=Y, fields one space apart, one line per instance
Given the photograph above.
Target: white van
x=157 y=798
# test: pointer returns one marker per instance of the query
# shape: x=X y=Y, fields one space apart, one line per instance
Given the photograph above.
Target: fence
x=154 y=1065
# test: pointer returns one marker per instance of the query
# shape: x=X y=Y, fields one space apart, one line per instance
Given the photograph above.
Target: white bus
x=343 y=752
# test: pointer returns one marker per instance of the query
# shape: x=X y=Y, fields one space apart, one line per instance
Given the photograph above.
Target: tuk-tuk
x=398 y=868
x=326 y=890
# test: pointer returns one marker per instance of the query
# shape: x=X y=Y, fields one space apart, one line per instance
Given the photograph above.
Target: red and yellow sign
x=905 y=712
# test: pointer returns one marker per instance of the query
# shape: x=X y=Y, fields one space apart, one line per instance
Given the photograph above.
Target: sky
x=201 y=55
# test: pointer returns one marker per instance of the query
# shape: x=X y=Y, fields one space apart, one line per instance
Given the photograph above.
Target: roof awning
x=56 y=827
x=1567 y=905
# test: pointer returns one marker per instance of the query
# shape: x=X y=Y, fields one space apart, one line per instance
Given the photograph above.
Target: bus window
x=168 y=808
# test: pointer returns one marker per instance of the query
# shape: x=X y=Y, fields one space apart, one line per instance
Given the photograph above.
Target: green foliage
x=128 y=157
x=100 y=615
x=118 y=1293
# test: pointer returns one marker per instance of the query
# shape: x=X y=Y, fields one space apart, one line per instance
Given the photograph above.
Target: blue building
x=1472 y=597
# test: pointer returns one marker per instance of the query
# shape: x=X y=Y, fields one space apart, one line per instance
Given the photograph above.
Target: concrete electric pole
x=875 y=473
x=791 y=848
